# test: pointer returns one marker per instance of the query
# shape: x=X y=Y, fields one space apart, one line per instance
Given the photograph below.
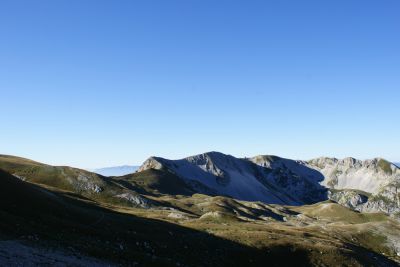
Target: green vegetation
x=371 y=240
x=385 y=166
x=87 y=184
x=155 y=182
x=66 y=220
x=380 y=197
x=182 y=227
x=336 y=213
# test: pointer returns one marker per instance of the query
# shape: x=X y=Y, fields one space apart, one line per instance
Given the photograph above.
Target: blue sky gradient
x=102 y=83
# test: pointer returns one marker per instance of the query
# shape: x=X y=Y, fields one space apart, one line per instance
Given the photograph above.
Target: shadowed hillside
x=61 y=219
x=41 y=217
x=156 y=217
x=65 y=220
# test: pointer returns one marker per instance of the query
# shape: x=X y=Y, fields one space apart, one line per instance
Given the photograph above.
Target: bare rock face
x=369 y=185
x=365 y=202
x=135 y=200
x=348 y=198
x=377 y=178
x=206 y=162
x=151 y=163
x=386 y=200
x=369 y=175
x=244 y=179
x=86 y=183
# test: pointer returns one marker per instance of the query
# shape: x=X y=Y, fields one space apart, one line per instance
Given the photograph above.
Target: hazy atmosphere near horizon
x=103 y=83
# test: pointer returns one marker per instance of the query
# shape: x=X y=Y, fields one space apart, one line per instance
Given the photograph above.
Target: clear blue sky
x=100 y=83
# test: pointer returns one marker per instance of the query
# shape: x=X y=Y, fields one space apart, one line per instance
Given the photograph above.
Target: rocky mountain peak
x=152 y=163
x=278 y=180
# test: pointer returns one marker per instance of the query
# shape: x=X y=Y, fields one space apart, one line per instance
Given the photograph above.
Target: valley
x=198 y=212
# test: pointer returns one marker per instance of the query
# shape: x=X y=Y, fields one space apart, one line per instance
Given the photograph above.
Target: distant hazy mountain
x=397 y=164
x=116 y=171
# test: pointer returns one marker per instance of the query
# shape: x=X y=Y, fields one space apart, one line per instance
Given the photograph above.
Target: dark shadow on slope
x=287 y=182
x=155 y=182
x=31 y=212
x=303 y=182
x=232 y=206
x=63 y=221
x=285 y=176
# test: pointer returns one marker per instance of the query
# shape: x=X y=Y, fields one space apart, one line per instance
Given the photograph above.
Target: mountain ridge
x=227 y=175
x=147 y=198
x=363 y=185
x=277 y=180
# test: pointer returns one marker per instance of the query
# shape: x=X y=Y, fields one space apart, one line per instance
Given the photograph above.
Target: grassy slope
x=385 y=166
x=328 y=232
x=155 y=182
x=59 y=219
x=56 y=176
x=337 y=213
x=223 y=240
x=65 y=178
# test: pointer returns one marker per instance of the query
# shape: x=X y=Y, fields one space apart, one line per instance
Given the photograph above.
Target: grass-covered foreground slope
x=199 y=231
x=39 y=217
x=84 y=183
x=178 y=227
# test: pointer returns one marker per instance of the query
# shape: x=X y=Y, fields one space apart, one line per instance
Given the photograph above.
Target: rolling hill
x=133 y=218
x=39 y=224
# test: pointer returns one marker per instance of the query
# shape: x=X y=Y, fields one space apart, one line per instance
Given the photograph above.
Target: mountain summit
x=370 y=185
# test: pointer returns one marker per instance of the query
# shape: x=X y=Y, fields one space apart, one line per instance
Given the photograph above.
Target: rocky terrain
x=206 y=210
x=370 y=185
x=243 y=179
x=85 y=183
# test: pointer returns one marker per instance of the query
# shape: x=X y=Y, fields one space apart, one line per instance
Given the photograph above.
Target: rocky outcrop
x=151 y=163
x=365 y=202
x=367 y=186
x=349 y=173
x=87 y=184
x=135 y=199
x=348 y=198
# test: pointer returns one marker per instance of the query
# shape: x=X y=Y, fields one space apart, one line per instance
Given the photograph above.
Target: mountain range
x=369 y=185
x=220 y=210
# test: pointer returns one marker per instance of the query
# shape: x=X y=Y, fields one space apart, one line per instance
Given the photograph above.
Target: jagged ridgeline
x=223 y=210
x=370 y=185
